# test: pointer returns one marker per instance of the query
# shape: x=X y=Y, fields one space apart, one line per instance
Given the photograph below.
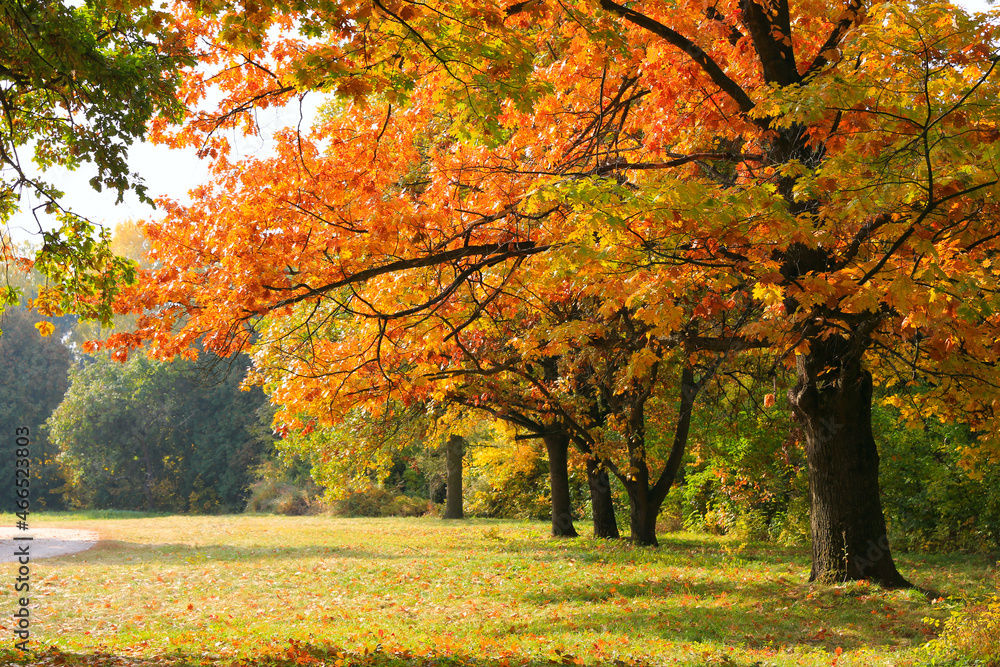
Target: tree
x=149 y=435
x=78 y=83
x=738 y=177
x=33 y=379
x=595 y=394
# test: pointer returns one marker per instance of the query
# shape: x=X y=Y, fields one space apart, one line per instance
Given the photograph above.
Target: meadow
x=270 y=590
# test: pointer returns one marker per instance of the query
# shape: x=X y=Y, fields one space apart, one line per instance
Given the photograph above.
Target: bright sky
x=167 y=172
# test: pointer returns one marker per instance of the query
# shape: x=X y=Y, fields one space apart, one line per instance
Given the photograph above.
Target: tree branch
x=710 y=67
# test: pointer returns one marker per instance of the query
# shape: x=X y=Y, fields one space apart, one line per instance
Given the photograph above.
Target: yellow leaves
x=45 y=328
x=769 y=294
x=48 y=302
x=639 y=368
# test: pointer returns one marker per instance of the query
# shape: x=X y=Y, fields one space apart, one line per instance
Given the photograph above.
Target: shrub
x=375 y=501
x=970 y=637
x=279 y=497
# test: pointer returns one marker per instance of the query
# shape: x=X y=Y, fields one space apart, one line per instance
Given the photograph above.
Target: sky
x=166 y=172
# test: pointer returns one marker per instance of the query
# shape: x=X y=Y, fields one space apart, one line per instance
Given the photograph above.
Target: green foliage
x=82 y=273
x=82 y=81
x=152 y=435
x=746 y=475
x=364 y=449
x=931 y=502
x=33 y=379
x=78 y=85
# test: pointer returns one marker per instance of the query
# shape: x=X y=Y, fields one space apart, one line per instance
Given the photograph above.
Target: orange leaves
x=661 y=210
x=45 y=328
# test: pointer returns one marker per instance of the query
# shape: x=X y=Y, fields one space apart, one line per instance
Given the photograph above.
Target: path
x=45 y=542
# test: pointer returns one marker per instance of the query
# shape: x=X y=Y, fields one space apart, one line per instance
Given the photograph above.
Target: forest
x=724 y=267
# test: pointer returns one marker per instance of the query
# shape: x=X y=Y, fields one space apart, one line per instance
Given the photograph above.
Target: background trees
x=146 y=435
x=33 y=379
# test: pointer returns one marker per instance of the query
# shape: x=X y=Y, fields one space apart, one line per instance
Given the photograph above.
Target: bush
x=284 y=486
x=375 y=501
x=272 y=496
x=970 y=637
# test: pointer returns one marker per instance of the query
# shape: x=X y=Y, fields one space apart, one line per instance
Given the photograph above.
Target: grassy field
x=312 y=590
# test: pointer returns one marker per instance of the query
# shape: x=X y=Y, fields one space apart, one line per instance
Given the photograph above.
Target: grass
x=310 y=590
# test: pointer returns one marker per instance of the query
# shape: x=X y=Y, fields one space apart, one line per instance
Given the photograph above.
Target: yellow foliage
x=973 y=634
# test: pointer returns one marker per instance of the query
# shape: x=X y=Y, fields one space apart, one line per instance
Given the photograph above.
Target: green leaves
x=84 y=274
x=78 y=85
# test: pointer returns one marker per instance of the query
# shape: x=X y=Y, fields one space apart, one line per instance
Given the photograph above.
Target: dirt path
x=44 y=542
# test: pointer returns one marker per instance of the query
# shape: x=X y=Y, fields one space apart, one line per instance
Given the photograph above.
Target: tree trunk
x=643 y=511
x=832 y=403
x=148 y=478
x=602 y=506
x=557 y=446
x=455 y=454
x=645 y=501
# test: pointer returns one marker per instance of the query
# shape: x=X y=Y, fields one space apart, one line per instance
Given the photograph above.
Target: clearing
x=274 y=590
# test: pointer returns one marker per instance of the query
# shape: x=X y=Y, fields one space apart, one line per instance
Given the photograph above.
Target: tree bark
x=601 y=503
x=643 y=511
x=455 y=451
x=557 y=446
x=645 y=500
x=832 y=403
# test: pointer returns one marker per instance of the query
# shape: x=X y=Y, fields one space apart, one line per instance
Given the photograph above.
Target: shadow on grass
x=755 y=614
x=297 y=654
x=586 y=551
x=172 y=553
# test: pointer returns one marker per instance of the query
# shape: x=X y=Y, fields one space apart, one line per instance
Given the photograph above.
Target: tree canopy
x=157 y=436
x=811 y=183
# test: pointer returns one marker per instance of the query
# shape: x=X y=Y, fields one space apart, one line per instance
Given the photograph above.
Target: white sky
x=165 y=172
x=170 y=173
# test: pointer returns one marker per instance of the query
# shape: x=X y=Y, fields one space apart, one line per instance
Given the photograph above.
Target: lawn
x=253 y=589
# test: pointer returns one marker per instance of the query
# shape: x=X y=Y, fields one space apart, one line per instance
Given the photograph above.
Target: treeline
x=744 y=475
x=185 y=436
x=139 y=435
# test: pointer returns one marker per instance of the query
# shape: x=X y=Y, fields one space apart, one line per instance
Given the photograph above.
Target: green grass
x=312 y=590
